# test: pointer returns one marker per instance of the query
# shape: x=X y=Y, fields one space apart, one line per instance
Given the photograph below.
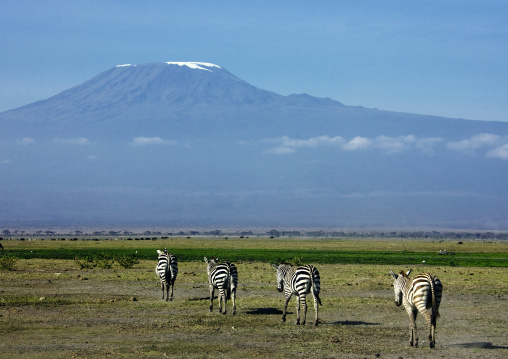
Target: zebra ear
x=275 y=266
x=159 y=252
x=409 y=271
x=206 y=260
x=393 y=274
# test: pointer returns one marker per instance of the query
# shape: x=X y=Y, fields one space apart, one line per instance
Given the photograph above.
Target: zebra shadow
x=480 y=345
x=198 y=299
x=265 y=311
x=350 y=322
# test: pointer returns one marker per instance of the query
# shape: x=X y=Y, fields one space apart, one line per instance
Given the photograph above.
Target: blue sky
x=446 y=58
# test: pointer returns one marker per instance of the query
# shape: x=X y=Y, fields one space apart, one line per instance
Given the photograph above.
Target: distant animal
x=1 y=247
x=419 y=294
x=224 y=277
x=166 y=270
x=299 y=280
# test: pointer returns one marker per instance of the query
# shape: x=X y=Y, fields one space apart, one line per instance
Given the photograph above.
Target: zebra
x=224 y=277
x=299 y=280
x=419 y=294
x=166 y=270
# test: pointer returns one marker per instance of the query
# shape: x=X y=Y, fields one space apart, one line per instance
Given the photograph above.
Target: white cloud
x=496 y=145
x=397 y=144
x=72 y=141
x=144 y=141
x=25 y=141
x=394 y=144
x=475 y=142
x=427 y=144
x=312 y=142
x=357 y=143
x=499 y=152
x=290 y=145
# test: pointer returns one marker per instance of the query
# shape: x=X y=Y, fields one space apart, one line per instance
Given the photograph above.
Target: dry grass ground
x=51 y=309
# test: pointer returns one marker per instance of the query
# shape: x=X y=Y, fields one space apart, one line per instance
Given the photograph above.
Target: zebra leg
x=167 y=292
x=211 y=298
x=412 y=326
x=414 y=332
x=304 y=305
x=162 y=286
x=316 y=309
x=431 y=323
x=285 y=308
x=432 y=330
x=225 y=302
x=172 y=284
x=298 y=310
x=233 y=298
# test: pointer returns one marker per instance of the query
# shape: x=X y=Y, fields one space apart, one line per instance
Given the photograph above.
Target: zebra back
x=162 y=269
x=423 y=290
x=167 y=266
x=419 y=286
x=299 y=279
x=218 y=273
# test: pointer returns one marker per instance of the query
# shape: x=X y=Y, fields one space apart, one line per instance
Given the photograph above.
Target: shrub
x=297 y=261
x=104 y=261
x=8 y=263
x=126 y=261
x=85 y=263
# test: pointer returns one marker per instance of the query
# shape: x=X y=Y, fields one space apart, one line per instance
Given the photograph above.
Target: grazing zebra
x=419 y=294
x=299 y=280
x=166 y=270
x=224 y=277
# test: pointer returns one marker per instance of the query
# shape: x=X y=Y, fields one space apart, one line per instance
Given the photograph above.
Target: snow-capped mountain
x=189 y=142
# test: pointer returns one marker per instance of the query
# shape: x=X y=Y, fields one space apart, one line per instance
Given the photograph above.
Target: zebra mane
x=405 y=274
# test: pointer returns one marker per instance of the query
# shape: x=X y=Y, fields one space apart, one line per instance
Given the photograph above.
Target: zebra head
x=210 y=264
x=281 y=273
x=399 y=281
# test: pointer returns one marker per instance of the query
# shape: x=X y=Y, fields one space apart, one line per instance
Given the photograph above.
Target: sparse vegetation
x=105 y=260
x=8 y=262
x=118 y=312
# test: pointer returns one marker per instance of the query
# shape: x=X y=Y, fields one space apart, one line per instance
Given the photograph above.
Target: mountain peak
x=195 y=65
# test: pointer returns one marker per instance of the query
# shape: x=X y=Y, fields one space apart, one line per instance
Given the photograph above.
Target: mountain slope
x=190 y=143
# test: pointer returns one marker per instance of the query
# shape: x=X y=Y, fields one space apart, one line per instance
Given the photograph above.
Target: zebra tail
x=228 y=290
x=316 y=293
x=435 y=309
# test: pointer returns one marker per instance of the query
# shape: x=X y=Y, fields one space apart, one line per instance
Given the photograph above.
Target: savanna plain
x=53 y=306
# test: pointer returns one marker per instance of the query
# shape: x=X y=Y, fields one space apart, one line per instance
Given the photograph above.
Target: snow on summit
x=195 y=65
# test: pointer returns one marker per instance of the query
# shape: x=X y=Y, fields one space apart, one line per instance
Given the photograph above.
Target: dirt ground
x=51 y=309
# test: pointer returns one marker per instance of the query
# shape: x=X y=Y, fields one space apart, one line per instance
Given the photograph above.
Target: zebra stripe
x=224 y=277
x=419 y=294
x=166 y=270
x=299 y=280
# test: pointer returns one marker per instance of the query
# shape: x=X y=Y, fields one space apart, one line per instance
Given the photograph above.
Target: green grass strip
x=280 y=255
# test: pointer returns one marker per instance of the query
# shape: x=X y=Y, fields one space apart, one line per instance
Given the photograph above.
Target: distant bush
x=297 y=261
x=8 y=263
x=126 y=261
x=106 y=261
x=85 y=263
